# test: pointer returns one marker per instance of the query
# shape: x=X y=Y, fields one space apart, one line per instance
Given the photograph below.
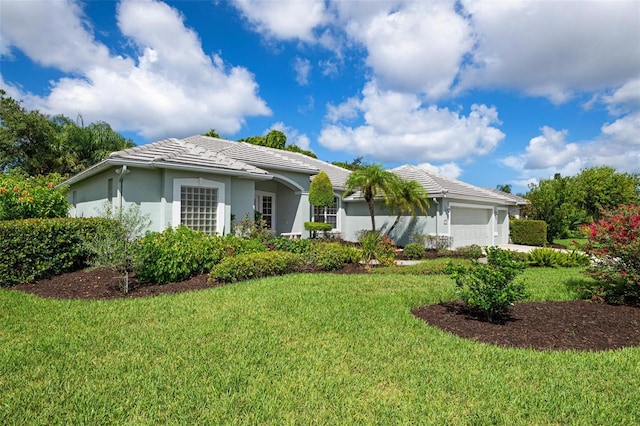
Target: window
x=327 y=214
x=198 y=208
x=265 y=207
x=199 y=205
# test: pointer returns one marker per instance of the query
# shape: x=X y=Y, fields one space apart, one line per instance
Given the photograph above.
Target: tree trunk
x=394 y=224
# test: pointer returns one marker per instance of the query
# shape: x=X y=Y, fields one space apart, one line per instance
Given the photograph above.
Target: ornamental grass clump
x=490 y=288
x=614 y=242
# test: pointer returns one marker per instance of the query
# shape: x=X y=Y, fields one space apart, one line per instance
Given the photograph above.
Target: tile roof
x=181 y=153
x=438 y=186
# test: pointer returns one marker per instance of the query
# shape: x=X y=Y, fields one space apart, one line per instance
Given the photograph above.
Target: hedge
x=33 y=249
x=256 y=265
x=528 y=232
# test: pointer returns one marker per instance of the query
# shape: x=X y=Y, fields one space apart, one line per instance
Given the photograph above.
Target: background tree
x=407 y=196
x=372 y=181
x=602 y=188
x=36 y=144
x=277 y=140
x=504 y=188
x=355 y=164
x=212 y=134
x=321 y=191
x=565 y=203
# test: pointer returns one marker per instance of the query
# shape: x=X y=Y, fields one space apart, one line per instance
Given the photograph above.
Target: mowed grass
x=299 y=349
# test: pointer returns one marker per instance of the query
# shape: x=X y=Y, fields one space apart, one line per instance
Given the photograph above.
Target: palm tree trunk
x=394 y=223
x=372 y=213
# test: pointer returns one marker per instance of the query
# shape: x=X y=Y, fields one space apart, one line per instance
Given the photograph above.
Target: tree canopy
x=565 y=203
x=36 y=144
x=372 y=180
x=277 y=140
x=408 y=196
x=356 y=163
x=321 y=191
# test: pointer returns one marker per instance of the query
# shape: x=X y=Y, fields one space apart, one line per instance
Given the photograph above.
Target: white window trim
x=338 y=213
x=259 y=195
x=199 y=183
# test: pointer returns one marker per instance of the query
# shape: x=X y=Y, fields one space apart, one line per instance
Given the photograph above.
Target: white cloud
x=451 y=170
x=617 y=146
x=302 y=67
x=284 y=19
x=553 y=48
x=293 y=135
x=54 y=34
x=417 y=47
x=171 y=89
x=398 y=126
x=624 y=98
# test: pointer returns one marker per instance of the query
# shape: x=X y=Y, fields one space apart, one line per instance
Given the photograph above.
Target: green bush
x=176 y=254
x=297 y=245
x=376 y=247
x=528 y=232
x=234 y=245
x=351 y=254
x=256 y=265
x=426 y=267
x=414 y=251
x=32 y=197
x=32 y=249
x=473 y=251
x=490 y=288
x=327 y=256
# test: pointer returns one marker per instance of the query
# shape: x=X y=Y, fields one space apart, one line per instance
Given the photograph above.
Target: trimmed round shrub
x=256 y=265
x=414 y=251
x=327 y=256
x=473 y=251
x=176 y=254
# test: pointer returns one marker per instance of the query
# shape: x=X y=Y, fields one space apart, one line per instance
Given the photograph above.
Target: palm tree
x=372 y=181
x=406 y=197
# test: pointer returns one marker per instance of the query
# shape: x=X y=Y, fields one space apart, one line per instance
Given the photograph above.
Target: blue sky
x=489 y=92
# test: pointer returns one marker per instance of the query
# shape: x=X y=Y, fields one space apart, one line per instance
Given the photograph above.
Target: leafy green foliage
x=315 y=227
x=473 y=251
x=372 y=181
x=297 y=245
x=376 y=247
x=24 y=197
x=321 y=191
x=234 y=245
x=36 y=144
x=277 y=140
x=565 y=203
x=414 y=251
x=251 y=229
x=355 y=164
x=111 y=245
x=490 y=288
x=407 y=196
x=351 y=254
x=548 y=257
x=255 y=265
x=528 y=232
x=326 y=256
x=615 y=241
x=39 y=248
x=176 y=254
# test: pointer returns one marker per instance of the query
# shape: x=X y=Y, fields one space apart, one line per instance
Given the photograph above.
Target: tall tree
x=36 y=144
x=321 y=191
x=603 y=188
x=407 y=196
x=356 y=163
x=277 y=140
x=212 y=134
x=372 y=181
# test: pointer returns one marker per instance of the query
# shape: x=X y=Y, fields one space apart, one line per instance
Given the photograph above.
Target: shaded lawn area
x=304 y=348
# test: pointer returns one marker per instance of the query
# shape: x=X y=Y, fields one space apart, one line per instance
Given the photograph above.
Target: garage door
x=470 y=226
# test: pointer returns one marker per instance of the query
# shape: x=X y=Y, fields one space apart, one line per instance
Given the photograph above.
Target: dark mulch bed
x=580 y=325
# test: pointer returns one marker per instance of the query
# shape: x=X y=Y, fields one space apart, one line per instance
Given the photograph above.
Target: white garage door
x=470 y=226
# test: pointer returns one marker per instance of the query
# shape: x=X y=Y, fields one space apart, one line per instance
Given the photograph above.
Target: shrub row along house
x=208 y=184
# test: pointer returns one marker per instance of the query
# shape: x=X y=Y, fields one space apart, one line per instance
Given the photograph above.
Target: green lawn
x=571 y=243
x=299 y=349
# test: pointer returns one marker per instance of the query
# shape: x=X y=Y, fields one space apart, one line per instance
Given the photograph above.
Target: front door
x=265 y=207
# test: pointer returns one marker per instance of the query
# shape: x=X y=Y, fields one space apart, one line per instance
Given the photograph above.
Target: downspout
x=121 y=173
x=435 y=200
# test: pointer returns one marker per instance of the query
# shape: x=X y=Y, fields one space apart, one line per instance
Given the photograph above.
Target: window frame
x=176 y=219
x=258 y=198
x=324 y=214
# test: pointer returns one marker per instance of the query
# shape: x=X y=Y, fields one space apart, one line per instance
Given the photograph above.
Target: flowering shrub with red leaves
x=614 y=241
